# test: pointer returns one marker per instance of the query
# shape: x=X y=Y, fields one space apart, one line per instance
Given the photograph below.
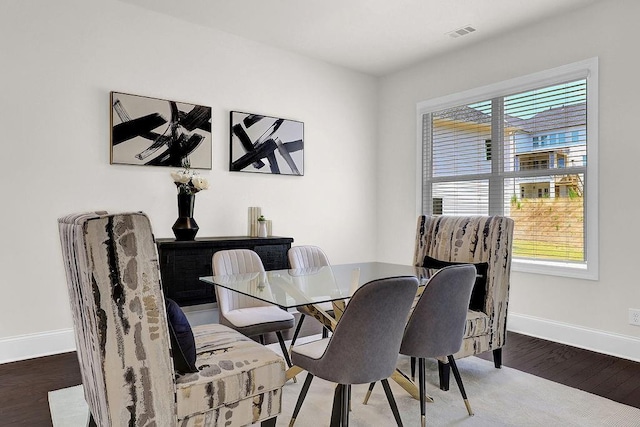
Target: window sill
x=554 y=268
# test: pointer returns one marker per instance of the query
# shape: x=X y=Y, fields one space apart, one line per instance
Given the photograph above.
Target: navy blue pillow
x=479 y=292
x=182 y=341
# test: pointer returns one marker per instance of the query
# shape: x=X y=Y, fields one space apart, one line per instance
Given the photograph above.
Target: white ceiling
x=372 y=36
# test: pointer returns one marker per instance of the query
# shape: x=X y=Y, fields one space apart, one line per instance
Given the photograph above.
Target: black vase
x=185 y=227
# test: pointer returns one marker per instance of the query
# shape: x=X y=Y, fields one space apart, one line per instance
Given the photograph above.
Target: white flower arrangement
x=189 y=182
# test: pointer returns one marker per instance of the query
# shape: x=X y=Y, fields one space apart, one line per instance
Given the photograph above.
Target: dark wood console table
x=183 y=263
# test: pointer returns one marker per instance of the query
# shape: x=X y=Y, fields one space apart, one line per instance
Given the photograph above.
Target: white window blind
x=521 y=154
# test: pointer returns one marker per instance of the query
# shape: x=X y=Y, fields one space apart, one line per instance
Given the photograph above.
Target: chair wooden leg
x=325 y=332
x=301 y=397
x=443 y=373
x=271 y=422
x=392 y=401
x=423 y=391
x=297 y=331
x=368 y=395
x=456 y=375
x=497 y=357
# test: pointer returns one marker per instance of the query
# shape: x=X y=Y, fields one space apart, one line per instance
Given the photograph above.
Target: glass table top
x=296 y=287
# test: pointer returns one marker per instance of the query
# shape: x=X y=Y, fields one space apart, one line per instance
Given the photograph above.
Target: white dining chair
x=305 y=257
x=248 y=315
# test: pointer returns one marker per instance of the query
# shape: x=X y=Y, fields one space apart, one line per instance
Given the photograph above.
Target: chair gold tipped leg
x=292 y=422
x=366 y=397
x=423 y=421
x=469 y=410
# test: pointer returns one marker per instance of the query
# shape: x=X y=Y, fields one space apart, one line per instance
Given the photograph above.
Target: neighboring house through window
x=527 y=149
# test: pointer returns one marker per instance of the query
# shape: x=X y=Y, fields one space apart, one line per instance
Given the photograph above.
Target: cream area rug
x=499 y=397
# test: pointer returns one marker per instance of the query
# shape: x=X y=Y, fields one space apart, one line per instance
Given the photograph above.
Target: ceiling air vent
x=461 y=31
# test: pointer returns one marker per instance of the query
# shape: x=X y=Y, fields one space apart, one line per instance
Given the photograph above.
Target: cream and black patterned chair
x=484 y=241
x=123 y=338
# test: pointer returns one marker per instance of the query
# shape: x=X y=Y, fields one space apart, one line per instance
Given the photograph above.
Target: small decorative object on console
x=262 y=226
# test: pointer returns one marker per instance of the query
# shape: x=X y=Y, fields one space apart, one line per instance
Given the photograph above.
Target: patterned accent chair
x=486 y=242
x=123 y=340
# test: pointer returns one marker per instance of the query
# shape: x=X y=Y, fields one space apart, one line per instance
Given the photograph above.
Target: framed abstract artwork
x=158 y=132
x=265 y=144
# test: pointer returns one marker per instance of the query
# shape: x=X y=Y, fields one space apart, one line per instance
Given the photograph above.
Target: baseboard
x=617 y=345
x=29 y=346
x=61 y=341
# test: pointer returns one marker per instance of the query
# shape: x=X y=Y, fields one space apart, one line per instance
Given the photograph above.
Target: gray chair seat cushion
x=307 y=354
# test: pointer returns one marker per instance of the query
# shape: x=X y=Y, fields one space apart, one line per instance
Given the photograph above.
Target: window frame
x=586 y=69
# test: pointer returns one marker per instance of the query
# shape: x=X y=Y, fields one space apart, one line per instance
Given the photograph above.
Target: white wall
x=59 y=61
x=591 y=314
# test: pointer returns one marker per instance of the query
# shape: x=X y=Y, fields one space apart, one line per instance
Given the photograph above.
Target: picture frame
x=158 y=132
x=266 y=144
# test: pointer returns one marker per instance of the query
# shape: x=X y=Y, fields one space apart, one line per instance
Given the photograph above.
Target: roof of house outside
x=562 y=117
x=565 y=116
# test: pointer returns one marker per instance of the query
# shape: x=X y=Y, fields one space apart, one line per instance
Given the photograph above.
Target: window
x=487 y=146
x=437 y=206
x=502 y=150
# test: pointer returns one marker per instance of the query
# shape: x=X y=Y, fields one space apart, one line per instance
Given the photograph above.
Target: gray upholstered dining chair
x=436 y=326
x=128 y=347
x=364 y=345
x=303 y=257
x=248 y=315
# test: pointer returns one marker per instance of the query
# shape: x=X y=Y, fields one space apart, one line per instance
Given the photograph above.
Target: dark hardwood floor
x=24 y=385
x=607 y=376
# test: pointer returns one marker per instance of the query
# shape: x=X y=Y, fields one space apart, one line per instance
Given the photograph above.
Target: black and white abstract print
x=158 y=132
x=266 y=144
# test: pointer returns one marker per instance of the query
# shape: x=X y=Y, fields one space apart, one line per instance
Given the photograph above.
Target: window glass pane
x=462 y=198
x=460 y=140
x=548 y=212
x=546 y=128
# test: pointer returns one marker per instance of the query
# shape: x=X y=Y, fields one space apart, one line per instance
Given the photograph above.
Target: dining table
x=291 y=288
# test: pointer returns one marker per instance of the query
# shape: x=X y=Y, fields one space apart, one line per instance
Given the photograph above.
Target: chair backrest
x=119 y=317
x=236 y=261
x=365 y=344
x=436 y=325
x=306 y=257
